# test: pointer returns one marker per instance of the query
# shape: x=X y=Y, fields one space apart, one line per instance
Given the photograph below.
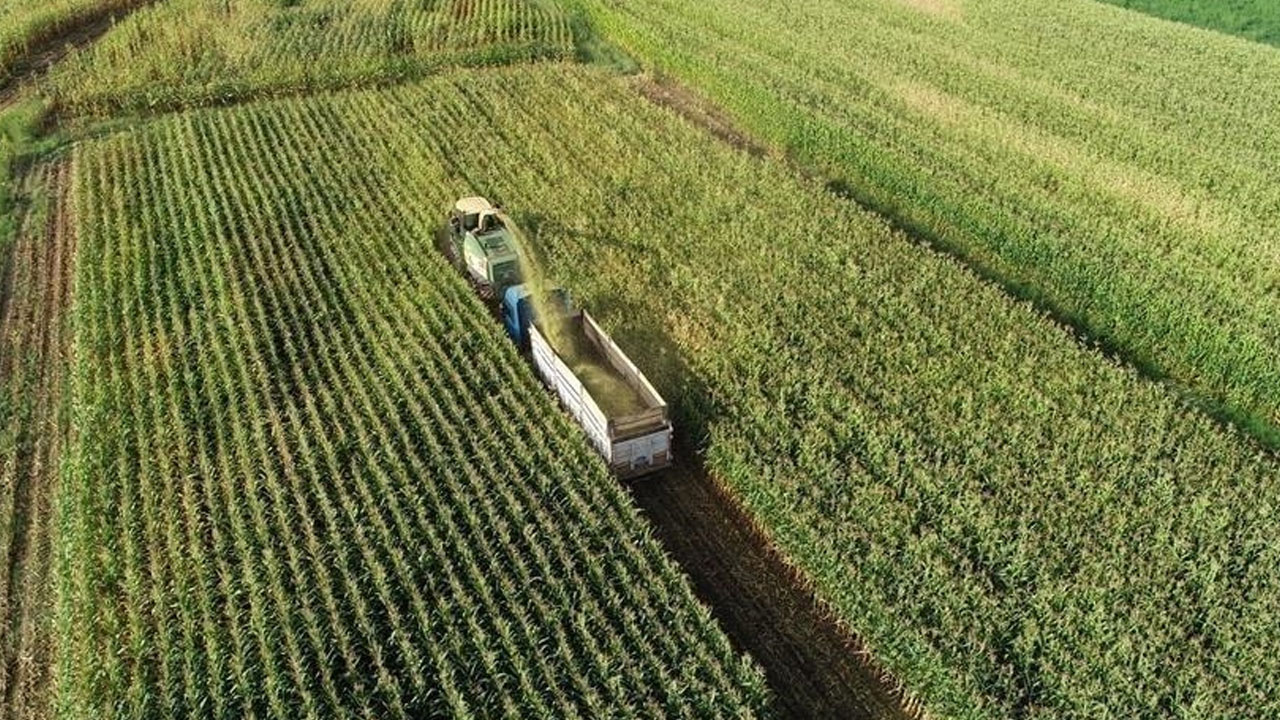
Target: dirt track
x=670 y=94
x=34 y=348
x=46 y=52
x=814 y=666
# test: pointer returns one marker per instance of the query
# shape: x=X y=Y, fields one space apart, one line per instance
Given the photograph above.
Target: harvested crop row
x=35 y=290
x=1117 y=170
x=312 y=478
x=1012 y=522
x=195 y=52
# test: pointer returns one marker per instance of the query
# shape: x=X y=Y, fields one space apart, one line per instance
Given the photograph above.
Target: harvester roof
x=473 y=205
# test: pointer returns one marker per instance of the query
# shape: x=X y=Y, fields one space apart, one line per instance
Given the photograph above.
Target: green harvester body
x=483 y=245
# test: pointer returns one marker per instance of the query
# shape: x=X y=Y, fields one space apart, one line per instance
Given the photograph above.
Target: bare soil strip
x=669 y=94
x=814 y=665
x=35 y=344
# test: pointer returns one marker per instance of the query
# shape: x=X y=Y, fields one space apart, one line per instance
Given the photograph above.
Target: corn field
x=1116 y=169
x=1014 y=523
x=26 y=23
x=199 y=52
x=310 y=477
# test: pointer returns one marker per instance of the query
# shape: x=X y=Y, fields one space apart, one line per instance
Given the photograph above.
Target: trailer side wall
x=572 y=393
x=633 y=445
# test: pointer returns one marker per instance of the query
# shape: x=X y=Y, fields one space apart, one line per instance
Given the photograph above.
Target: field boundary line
x=319 y=90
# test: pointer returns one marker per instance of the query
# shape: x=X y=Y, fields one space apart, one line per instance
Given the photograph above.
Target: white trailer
x=634 y=444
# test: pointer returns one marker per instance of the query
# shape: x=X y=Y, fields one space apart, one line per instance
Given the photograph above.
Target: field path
x=45 y=53
x=815 y=667
x=34 y=350
x=35 y=294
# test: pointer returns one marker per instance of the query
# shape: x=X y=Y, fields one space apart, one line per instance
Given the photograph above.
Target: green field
x=1013 y=522
x=1257 y=20
x=974 y=325
x=181 y=53
x=311 y=477
x=25 y=24
x=1116 y=170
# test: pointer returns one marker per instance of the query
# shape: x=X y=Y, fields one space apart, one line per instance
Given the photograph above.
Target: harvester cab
x=519 y=310
x=481 y=243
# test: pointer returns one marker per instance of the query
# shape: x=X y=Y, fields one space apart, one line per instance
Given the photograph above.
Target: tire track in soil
x=815 y=667
x=35 y=293
x=46 y=52
x=35 y=346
